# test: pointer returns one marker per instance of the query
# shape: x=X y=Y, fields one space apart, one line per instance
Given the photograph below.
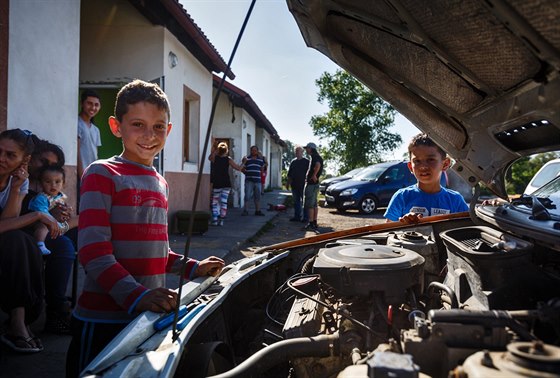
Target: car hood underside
x=479 y=76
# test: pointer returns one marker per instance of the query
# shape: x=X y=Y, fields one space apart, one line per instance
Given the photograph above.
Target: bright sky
x=273 y=64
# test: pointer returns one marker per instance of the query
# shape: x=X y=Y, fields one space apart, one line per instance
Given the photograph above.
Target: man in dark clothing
x=312 y=185
x=296 y=179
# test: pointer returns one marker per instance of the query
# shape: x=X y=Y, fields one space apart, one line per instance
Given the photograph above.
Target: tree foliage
x=355 y=130
x=523 y=170
x=288 y=155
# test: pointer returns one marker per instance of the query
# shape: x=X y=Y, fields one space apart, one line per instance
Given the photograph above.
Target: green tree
x=523 y=170
x=356 y=128
x=288 y=155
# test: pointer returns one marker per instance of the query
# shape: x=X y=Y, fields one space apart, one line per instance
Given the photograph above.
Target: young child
x=122 y=234
x=221 y=183
x=51 y=178
x=427 y=197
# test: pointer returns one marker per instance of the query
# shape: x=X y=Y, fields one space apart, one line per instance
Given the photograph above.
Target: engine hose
x=449 y=291
x=264 y=359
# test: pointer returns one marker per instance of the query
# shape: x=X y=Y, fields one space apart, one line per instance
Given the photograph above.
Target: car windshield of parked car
x=370 y=173
x=548 y=173
x=353 y=172
x=548 y=195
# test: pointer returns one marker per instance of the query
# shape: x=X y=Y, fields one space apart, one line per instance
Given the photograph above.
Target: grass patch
x=264 y=229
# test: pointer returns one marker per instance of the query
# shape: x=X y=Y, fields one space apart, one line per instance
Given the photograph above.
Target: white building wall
x=188 y=72
x=118 y=43
x=43 y=70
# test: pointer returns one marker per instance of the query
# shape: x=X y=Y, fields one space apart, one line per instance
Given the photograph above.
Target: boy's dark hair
x=23 y=138
x=42 y=146
x=89 y=93
x=424 y=140
x=51 y=168
x=140 y=91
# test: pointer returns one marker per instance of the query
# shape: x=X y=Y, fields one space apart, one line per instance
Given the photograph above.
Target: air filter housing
x=362 y=269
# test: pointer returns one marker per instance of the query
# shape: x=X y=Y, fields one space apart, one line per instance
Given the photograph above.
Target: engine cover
x=362 y=269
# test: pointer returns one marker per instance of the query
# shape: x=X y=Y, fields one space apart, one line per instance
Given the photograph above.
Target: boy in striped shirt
x=122 y=233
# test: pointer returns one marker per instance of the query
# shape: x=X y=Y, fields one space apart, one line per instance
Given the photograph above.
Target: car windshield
x=353 y=172
x=370 y=173
x=548 y=173
x=548 y=195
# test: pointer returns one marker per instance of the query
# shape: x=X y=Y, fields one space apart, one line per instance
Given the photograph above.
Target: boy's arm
x=94 y=239
x=210 y=266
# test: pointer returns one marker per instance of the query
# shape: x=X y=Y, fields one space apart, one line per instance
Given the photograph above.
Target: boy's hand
x=212 y=266
x=158 y=300
x=410 y=218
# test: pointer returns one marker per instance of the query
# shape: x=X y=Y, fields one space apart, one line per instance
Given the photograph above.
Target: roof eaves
x=172 y=15
x=245 y=101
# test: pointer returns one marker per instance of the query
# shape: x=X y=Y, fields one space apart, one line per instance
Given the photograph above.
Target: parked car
x=547 y=172
x=472 y=294
x=373 y=187
x=333 y=180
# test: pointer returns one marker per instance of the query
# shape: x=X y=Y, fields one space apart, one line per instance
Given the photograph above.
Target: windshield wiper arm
x=531 y=200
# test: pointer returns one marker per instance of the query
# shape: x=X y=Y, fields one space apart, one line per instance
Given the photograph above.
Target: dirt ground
x=280 y=229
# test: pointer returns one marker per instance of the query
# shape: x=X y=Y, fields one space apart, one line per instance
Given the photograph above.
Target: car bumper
x=341 y=202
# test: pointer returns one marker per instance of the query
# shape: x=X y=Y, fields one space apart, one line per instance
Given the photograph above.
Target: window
x=191 y=125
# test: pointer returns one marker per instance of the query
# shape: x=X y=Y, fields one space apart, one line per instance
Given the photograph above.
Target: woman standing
x=21 y=263
x=220 y=181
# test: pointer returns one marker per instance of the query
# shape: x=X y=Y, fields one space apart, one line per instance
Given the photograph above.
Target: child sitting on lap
x=52 y=179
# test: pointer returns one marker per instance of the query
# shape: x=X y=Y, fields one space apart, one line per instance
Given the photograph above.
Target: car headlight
x=349 y=192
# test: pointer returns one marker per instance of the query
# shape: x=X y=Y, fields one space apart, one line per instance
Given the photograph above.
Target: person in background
x=59 y=264
x=296 y=180
x=221 y=183
x=123 y=233
x=89 y=138
x=427 y=197
x=312 y=185
x=253 y=167
x=21 y=262
x=263 y=173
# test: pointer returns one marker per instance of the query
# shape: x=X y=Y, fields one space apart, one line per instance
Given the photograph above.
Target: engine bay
x=447 y=299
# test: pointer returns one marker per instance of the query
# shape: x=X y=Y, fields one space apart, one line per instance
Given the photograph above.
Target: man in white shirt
x=89 y=138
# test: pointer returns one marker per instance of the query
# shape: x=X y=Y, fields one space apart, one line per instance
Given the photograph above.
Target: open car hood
x=481 y=77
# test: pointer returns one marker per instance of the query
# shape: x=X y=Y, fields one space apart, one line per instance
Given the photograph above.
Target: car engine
x=494 y=311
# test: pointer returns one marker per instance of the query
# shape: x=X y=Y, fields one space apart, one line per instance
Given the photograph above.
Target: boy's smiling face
x=426 y=163
x=143 y=129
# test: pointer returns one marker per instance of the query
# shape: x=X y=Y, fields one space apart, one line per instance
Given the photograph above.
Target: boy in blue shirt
x=427 y=197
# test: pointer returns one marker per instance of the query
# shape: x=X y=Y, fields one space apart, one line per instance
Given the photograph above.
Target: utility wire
x=201 y=168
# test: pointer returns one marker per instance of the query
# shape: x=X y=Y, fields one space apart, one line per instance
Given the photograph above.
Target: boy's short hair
x=424 y=140
x=140 y=91
x=51 y=168
x=89 y=93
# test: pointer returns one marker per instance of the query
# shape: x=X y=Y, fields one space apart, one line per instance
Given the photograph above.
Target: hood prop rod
x=201 y=168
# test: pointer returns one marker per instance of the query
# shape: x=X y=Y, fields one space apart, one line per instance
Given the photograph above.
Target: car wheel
x=367 y=205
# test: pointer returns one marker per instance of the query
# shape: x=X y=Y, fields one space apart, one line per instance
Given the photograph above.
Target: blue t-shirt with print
x=413 y=200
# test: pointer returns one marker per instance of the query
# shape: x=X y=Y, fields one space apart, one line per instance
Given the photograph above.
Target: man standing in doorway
x=253 y=167
x=296 y=180
x=89 y=138
x=312 y=185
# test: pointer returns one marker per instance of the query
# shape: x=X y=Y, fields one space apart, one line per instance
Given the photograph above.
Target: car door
x=393 y=179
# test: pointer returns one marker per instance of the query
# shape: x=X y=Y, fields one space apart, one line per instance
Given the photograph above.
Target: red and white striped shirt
x=122 y=239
